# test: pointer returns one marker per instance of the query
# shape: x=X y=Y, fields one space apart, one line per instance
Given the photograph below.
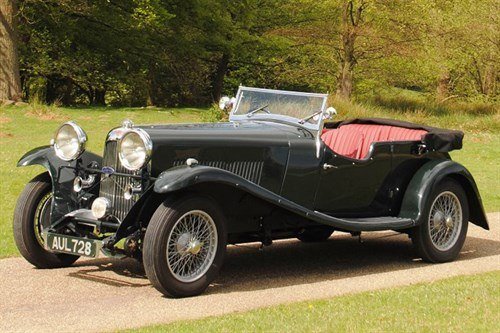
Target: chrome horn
x=131 y=190
x=80 y=183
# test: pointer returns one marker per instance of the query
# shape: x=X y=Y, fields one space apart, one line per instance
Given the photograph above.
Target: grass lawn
x=24 y=128
x=460 y=304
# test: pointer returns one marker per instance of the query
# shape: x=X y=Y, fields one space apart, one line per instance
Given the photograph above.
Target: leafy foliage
x=190 y=52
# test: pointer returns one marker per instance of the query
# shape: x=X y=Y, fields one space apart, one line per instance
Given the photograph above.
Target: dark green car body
x=268 y=177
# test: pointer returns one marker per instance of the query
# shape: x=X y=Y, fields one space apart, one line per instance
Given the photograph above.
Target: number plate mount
x=72 y=245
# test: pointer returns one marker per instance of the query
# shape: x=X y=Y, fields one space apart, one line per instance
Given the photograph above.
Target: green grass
x=24 y=128
x=460 y=304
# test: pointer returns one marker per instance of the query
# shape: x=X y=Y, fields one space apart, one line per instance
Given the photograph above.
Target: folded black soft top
x=437 y=139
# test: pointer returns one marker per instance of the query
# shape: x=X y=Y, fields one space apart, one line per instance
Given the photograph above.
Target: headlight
x=101 y=207
x=69 y=141
x=135 y=149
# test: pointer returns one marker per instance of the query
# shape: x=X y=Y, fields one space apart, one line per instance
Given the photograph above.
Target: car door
x=353 y=187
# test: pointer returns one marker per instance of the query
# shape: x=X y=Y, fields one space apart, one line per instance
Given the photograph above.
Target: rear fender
x=65 y=199
x=426 y=179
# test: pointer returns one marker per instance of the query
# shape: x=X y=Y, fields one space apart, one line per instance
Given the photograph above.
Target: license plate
x=72 y=245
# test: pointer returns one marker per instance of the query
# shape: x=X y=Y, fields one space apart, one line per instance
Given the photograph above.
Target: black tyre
x=315 y=234
x=442 y=232
x=184 y=246
x=31 y=215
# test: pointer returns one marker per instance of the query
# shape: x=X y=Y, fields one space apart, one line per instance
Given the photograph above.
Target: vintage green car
x=174 y=196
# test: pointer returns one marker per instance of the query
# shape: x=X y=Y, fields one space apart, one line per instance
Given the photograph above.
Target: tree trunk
x=152 y=87
x=67 y=97
x=350 y=21
x=345 y=78
x=219 y=75
x=443 y=86
x=99 y=97
x=490 y=80
x=51 y=94
x=10 y=83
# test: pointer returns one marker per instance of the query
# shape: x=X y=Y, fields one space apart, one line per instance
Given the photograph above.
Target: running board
x=365 y=223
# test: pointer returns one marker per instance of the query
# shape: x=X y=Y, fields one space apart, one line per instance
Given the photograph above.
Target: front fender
x=39 y=156
x=424 y=182
x=65 y=199
x=180 y=177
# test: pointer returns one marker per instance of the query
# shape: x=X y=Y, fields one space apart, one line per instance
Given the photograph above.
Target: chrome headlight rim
x=81 y=137
x=148 y=146
x=101 y=207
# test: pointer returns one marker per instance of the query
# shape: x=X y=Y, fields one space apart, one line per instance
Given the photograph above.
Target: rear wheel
x=315 y=234
x=441 y=235
x=32 y=214
x=184 y=246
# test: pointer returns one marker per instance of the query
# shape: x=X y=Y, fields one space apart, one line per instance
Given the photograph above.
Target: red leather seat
x=344 y=141
x=355 y=140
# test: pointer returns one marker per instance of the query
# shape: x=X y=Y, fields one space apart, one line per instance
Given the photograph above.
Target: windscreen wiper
x=261 y=108
x=303 y=120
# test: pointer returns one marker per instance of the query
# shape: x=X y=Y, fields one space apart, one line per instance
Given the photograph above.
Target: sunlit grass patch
x=460 y=304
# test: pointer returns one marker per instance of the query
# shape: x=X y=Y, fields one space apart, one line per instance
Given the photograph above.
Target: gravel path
x=102 y=294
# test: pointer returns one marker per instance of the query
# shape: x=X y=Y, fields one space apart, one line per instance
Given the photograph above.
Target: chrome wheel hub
x=445 y=221
x=186 y=243
x=448 y=221
x=192 y=245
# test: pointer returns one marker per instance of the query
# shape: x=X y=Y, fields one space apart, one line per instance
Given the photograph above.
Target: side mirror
x=329 y=113
x=226 y=103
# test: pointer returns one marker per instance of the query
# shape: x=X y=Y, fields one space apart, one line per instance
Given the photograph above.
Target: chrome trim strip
x=285 y=92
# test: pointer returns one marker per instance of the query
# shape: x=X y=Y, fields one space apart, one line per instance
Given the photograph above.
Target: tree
x=189 y=52
x=352 y=17
x=10 y=85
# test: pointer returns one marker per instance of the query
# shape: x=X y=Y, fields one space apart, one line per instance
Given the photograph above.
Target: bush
x=214 y=114
x=412 y=104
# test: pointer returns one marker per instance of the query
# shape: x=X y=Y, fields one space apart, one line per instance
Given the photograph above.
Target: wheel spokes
x=445 y=220
x=192 y=245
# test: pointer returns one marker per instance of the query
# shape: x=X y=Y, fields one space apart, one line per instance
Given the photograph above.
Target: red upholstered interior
x=354 y=140
x=347 y=143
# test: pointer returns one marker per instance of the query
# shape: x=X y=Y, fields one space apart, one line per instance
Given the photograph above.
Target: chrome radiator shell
x=112 y=187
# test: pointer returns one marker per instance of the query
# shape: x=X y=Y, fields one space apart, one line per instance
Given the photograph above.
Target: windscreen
x=292 y=106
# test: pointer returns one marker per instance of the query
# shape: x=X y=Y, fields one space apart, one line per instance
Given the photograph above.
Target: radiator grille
x=250 y=170
x=113 y=187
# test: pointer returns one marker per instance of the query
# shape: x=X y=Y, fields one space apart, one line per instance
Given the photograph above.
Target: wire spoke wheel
x=42 y=214
x=445 y=221
x=31 y=216
x=191 y=246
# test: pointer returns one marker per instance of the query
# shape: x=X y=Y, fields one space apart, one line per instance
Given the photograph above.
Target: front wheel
x=184 y=246
x=31 y=216
x=441 y=235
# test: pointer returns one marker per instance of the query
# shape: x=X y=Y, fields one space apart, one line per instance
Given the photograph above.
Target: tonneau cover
x=437 y=139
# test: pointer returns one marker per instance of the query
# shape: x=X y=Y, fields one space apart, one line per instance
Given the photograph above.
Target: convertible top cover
x=437 y=139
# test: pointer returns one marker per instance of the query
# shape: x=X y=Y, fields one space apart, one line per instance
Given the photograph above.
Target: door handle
x=327 y=166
